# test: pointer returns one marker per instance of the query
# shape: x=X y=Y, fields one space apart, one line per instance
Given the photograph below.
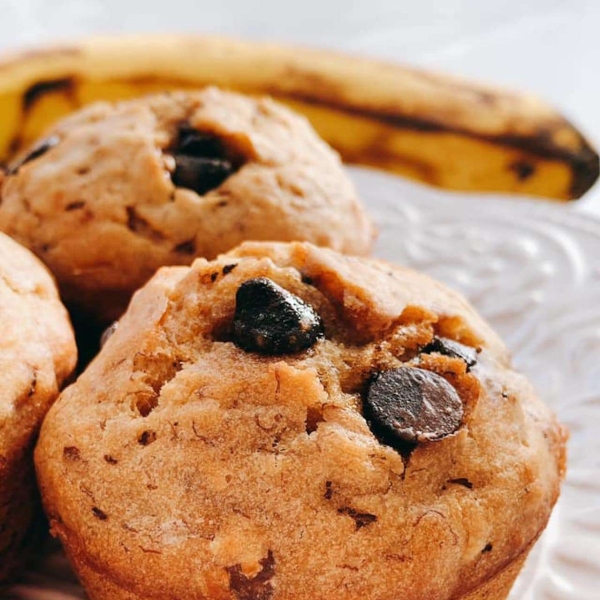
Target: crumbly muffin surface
x=37 y=352
x=197 y=458
x=122 y=189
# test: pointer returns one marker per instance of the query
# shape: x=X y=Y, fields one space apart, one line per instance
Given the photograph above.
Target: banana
x=436 y=129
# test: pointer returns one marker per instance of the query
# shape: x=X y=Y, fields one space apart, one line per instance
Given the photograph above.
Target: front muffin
x=123 y=189
x=287 y=423
x=37 y=352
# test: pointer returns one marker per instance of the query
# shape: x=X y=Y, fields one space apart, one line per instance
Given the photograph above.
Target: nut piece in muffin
x=37 y=353
x=286 y=422
x=122 y=189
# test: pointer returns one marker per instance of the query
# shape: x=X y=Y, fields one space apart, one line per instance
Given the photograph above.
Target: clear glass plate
x=533 y=270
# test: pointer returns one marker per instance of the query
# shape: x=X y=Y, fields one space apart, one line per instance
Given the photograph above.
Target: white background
x=549 y=47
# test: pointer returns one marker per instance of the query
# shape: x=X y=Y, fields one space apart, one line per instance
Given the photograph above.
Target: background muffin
x=285 y=422
x=117 y=190
x=37 y=353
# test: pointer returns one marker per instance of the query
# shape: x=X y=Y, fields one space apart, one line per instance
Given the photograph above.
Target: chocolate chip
x=108 y=333
x=146 y=438
x=258 y=587
x=452 y=349
x=78 y=204
x=487 y=548
x=409 y=405
x=99 y=514
x=200 y=174
x=195 y=143
x=37 y=151
x=360 y=519
x=201 y=161
x=271 y=320
x=71 y=453
x=462 y=481
x=228 y=268
x=187 y=247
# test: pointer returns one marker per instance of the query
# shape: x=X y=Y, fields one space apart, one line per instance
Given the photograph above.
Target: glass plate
x=533 y=270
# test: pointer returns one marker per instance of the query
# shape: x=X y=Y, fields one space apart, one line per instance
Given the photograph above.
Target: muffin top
x=37 y=348
x=285 y=422
x=37 y=352
x=125 y=188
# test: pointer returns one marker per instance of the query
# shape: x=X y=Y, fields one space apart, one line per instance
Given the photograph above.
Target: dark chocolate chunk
x=452 y=349
x=147 y=437
x=71 y=453
x=187 y=247
x=201 y=161
x=99 y=514
x=462 y=481
x=228 y=268
x=200 y=174
x=360 y=519
x=271 y=320
x=37 y=151
x=409 y=405
x=258 y=587
x=78 y=204
x=195 y=143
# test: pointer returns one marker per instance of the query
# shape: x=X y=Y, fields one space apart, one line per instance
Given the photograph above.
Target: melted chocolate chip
x=258 y=587
x=271 y=320
x=37 y=151
x=409 y=405
x=201 y=161
x=452 y=349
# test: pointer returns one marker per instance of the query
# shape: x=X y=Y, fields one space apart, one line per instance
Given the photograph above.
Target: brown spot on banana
x=63 y=85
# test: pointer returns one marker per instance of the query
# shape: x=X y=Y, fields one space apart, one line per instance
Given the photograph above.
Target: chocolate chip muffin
x=286 y=422
x=123 y=189
x=37 y=353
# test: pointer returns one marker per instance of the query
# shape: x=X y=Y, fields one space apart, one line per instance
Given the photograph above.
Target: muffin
x=37 y=353
x=125 y=188
x=287 y=422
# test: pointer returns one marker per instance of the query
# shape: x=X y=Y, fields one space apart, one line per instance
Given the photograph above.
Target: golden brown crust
x=176 y=448
x=37 y=353
x=112 y=214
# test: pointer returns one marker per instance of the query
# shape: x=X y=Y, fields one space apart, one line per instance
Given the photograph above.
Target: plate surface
x=533 y=270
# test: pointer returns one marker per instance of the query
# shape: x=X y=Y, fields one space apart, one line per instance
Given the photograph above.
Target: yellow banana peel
x=440 y=130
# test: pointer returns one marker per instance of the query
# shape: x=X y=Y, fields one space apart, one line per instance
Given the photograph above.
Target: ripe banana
x=439 y=130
